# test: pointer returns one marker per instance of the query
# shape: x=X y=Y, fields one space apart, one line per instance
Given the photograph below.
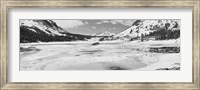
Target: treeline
x=163 y=34
x=27 y=36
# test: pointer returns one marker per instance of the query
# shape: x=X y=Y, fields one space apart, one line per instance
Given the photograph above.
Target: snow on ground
x=108 y=55
x=167 y=43
x=165 y=61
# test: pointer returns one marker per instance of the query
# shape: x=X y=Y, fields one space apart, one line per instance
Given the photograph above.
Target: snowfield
x=108 y=55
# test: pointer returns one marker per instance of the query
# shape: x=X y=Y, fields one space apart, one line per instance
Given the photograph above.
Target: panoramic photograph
x=100 y=44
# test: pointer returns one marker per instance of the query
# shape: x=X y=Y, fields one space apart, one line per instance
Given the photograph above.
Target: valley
x=145 y=45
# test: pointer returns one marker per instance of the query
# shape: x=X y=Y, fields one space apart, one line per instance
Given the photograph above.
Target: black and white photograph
x=99 y=44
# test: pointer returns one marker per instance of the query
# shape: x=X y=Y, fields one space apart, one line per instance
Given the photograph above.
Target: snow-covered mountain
x=145 y=27
x=47 y=26
x=45 y=31
x=106 y=33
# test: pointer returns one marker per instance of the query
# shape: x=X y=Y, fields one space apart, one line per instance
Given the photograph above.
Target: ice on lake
x=103 y=56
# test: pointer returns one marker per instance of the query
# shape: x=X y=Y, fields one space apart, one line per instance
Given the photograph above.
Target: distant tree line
x=163 y=34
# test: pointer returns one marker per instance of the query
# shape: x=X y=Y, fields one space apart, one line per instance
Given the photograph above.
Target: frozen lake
x=85 y=56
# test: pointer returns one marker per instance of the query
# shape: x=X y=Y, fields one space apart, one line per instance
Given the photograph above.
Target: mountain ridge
x=141 y=28
x=48 y=31
x=45 y=31
x=106 y=33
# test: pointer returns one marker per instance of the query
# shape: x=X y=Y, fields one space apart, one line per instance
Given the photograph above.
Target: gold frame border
x=6 y=4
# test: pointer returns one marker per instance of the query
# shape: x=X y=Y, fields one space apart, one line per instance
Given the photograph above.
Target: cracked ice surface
x=82 y=55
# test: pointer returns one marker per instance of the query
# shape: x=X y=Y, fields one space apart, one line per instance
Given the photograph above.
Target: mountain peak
x=106 y=33
x=145 y=27
x=47 y=26
x=137 y=22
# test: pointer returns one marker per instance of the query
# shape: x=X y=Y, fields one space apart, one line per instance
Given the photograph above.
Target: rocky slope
x=142 y=28
x=47 y=26
x=45 y=31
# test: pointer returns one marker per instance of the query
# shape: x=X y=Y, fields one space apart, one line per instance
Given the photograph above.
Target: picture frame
x=4 y=44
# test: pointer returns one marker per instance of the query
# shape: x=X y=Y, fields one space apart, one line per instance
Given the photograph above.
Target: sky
x=89 y=27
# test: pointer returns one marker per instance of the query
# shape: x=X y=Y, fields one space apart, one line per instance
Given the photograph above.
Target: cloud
x=94 y=27
x=123 y=22
x=99 y=23
x=86 y=22
x=113 y=22
x=103 y=21
x=69 y=23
